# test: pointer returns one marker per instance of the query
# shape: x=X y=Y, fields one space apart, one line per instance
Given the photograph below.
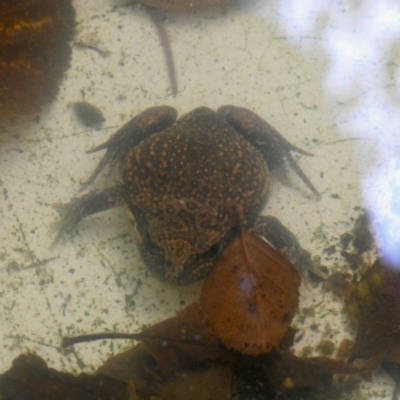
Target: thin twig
x=155 y=16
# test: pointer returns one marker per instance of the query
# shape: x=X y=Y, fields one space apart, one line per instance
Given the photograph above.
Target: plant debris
x=156 y=7
x=374 y=307
x=171 y=364
x=30 y=378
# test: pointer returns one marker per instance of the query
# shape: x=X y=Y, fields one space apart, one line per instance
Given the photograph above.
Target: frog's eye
x=147 y=239
x=212 y=253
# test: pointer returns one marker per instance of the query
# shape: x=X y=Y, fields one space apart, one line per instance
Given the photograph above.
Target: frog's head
x=180 y=242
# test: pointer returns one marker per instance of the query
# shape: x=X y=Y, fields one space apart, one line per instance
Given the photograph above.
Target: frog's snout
x=177 y=251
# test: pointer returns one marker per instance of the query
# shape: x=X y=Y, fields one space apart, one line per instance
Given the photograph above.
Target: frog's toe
x=305 y=263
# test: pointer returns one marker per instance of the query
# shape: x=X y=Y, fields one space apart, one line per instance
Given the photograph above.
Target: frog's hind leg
x=91 y=203
x=146 y=123
x=264 y=137
x=287 y=244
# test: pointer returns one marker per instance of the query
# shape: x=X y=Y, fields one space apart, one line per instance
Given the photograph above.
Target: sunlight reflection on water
x=360 y=39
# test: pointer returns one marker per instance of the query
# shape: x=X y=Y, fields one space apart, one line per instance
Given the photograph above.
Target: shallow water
x=325 y=76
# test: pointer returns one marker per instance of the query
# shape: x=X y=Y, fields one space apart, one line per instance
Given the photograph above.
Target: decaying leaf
x=138 y=367
x=34 y=52
x=251 y=296
x=374 y=307
x=193 y=364
x=31 y=379
x=169 y=365
x=175 y=343
x=210 y=382
x=289 y=372
x=182 y=341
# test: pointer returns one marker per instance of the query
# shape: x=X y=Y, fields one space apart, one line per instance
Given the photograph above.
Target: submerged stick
x=69 y=341
x=169 y=57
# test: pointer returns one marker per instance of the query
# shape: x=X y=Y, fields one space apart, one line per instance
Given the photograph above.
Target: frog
x=182 y=180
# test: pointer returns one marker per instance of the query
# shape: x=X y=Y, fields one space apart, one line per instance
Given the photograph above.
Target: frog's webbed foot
x=146 y=123
x=273 y=146
x=287 y=244
x=81 y=207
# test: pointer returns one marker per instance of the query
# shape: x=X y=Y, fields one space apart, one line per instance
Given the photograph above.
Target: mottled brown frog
x=181 y=179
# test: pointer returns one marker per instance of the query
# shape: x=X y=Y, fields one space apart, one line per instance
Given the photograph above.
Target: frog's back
x=200 y=160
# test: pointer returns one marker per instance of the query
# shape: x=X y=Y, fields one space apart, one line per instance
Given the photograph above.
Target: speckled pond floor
x=326 y=76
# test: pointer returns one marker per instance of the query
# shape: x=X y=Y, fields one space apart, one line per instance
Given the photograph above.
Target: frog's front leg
x=148 y=122
x=264 y=137
x=91 y=203
x=286 y=243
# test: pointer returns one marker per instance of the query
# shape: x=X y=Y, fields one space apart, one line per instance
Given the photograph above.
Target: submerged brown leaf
x=210 y=382
x=137 y=366
x=34 y=52
x=168 y=362
x=31 y=379
x=175 y=343
x=289 y=372
x=182 y=341
x=179 y=359
x=374 y=307
x=251 y=295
